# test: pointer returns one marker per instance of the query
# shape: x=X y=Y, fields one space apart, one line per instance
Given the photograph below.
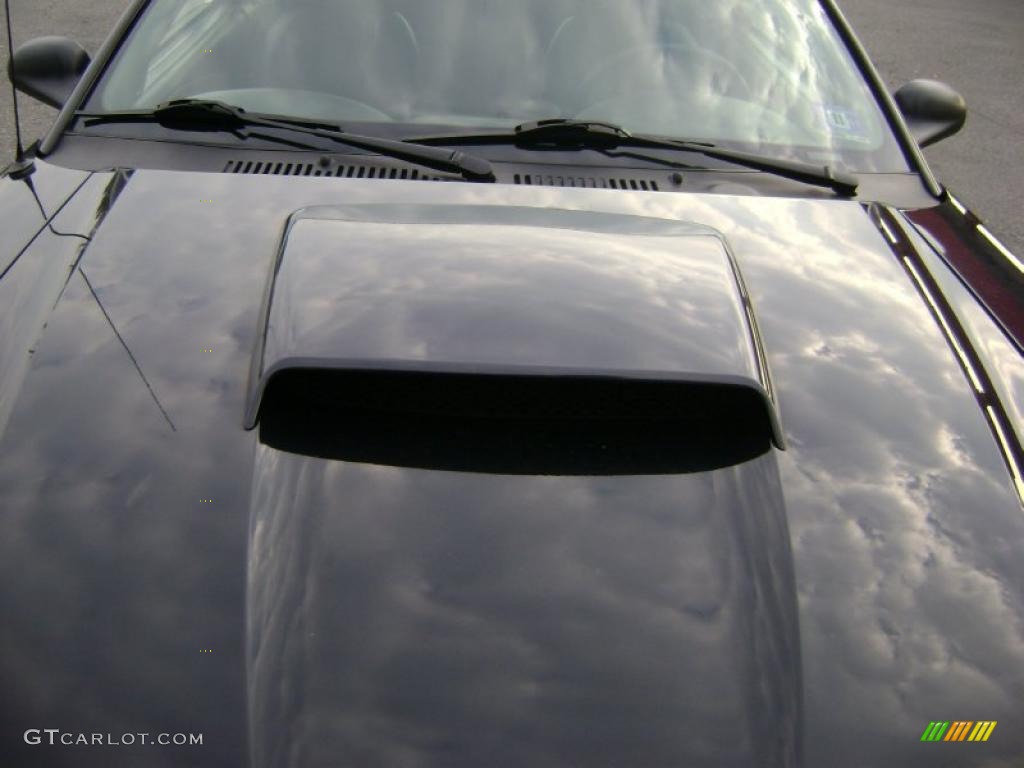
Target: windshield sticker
x=843 y=123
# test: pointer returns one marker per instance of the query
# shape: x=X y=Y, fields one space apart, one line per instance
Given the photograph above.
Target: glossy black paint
x=813 y=606
x=476 y=627
x=664 y=303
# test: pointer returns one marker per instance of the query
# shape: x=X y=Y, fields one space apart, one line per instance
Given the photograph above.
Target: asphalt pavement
x=977 y=46
x=85 y=21
x=974 y=45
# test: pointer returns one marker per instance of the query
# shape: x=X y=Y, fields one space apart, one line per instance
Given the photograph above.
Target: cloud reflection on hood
x=906 y=534
x=407 y=615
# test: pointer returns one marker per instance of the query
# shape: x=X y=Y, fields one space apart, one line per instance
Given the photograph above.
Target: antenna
x=21 y=167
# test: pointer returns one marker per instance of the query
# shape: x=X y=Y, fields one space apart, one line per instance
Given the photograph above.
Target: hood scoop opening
x=510 y=340
x=514 y=424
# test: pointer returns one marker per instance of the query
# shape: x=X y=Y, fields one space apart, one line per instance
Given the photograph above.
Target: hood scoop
x=515 y=340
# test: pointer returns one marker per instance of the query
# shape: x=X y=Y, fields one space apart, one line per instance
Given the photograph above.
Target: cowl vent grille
x=591 y=182
x=313 y=169
x=270 y=168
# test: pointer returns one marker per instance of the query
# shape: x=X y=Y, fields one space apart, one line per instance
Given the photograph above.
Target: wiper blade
x=206 y=115
x=587 y=134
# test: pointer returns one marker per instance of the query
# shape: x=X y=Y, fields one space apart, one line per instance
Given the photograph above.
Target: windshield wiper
x=204 y=115
x=587 y=134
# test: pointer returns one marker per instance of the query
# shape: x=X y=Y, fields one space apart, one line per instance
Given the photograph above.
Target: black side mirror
x=48 y=68
x=933 y=110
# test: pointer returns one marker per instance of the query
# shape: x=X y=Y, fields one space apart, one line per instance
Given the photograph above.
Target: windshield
x=764 y=75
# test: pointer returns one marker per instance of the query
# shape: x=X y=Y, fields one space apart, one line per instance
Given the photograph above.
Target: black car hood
x=169 y=570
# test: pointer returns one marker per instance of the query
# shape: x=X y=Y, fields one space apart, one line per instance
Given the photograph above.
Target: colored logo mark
x=959 y=730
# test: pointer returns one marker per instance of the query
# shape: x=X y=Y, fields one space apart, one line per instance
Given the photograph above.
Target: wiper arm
x=204 y=115
x=587 y=134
